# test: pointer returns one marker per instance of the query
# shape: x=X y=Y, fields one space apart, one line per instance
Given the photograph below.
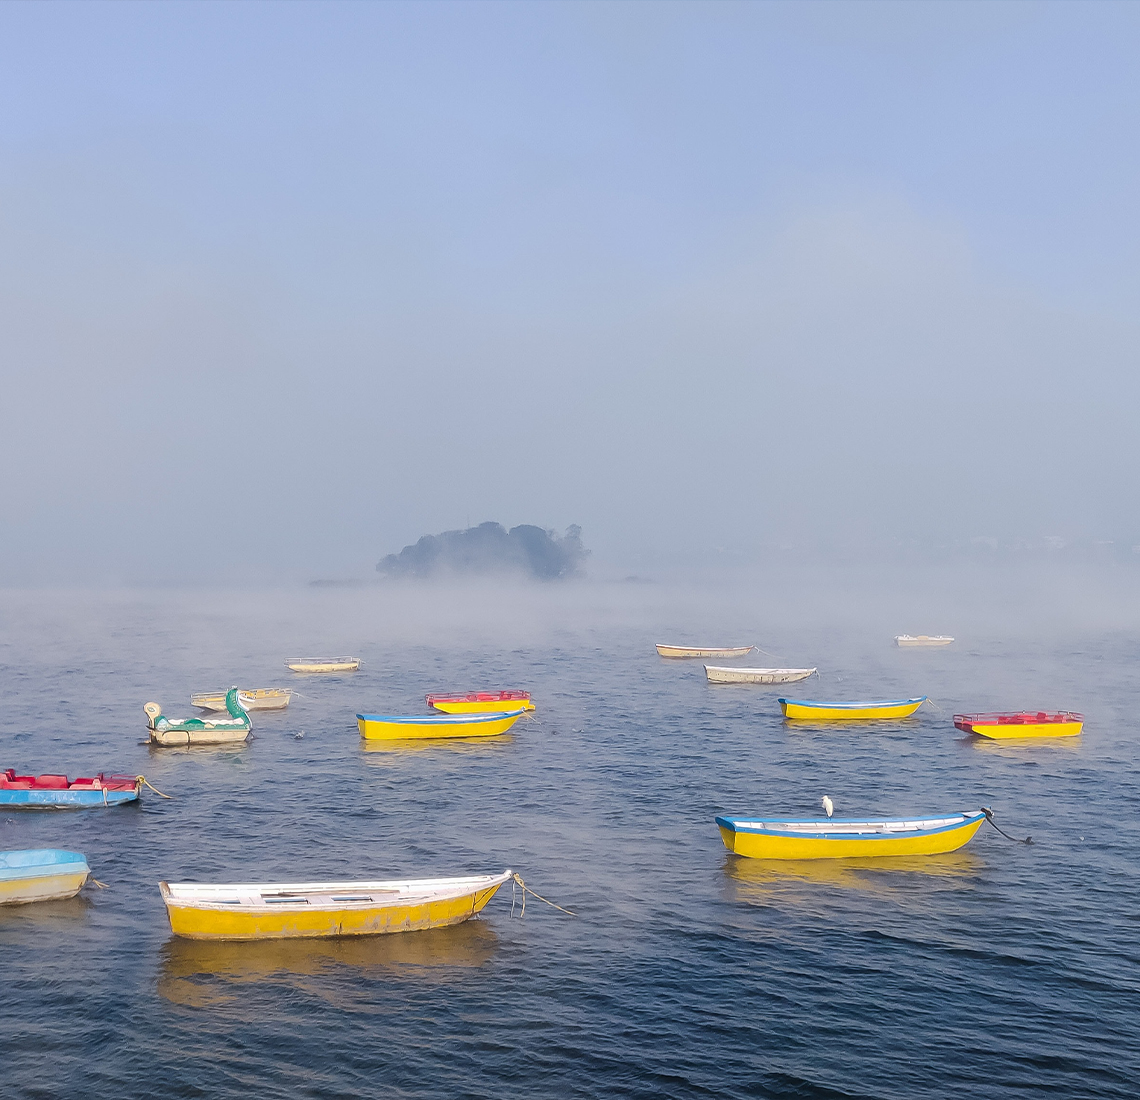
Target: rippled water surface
x=1000 y=970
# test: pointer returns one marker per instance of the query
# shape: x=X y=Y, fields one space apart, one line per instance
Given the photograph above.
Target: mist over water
x=687 y=971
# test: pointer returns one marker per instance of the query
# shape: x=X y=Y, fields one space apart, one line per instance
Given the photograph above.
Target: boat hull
x=205 y=920
x=41 y=875
x=716 y=675
x=377 y=727
x=190 y=738
x=849 y=712
x=846 y=840
x=689 y=652
x=261 y=699
x=64 y=800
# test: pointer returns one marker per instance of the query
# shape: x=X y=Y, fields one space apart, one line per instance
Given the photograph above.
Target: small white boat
x=702 y=651
x=727 y=675
x=323 y=664
x=253 y=699
x=922 y=639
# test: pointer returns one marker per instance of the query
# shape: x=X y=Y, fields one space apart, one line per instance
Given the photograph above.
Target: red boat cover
x=10 y=781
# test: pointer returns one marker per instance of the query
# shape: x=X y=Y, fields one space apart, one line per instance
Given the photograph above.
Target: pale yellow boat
x=299 y=910
x=253 y=699
x=904 y=640
x=849 y=712
x=389 y=727
x=833 y=839
x=323 y=664
x=702 y=651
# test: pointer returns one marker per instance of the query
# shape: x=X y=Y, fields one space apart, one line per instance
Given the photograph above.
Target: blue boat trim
x=41 y=863
x=64 y=799
x=752 y=825
x=441 y=719
x=852 y=705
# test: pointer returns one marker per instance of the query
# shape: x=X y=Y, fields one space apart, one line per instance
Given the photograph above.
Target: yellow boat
x=1017 y=724
x=389 y=727
x=323 y=664
x=848 y=712
x=481 y=702
x=250 y=699
x=833 y=839
x=297 y=910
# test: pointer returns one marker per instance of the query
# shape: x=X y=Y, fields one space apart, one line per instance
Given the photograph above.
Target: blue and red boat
x=58 y=792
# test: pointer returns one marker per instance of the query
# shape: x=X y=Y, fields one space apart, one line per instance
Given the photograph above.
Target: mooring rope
x=933 y=704
x=516 y=877
x=101 y=885
x=1017 y=840
x=143 y=779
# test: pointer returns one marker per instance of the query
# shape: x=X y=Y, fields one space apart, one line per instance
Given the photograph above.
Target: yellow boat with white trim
x=390 y=727
x=849 y=712
x=835 y=839
x=250 y=911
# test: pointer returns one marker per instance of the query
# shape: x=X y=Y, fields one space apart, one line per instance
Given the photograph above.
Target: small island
x=491 y=549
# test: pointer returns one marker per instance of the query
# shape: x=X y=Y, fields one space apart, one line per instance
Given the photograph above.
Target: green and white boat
x=200 y=731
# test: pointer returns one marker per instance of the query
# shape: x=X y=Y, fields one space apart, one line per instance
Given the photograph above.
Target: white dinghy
x=718 y=674
x=922 y=639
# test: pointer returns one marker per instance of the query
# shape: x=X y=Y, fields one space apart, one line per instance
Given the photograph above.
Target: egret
x=827 y=804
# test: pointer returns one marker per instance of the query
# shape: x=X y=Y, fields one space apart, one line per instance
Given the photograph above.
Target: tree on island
x=491 y=548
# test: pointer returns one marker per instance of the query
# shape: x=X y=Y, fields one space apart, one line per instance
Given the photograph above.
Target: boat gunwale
x=852 y=704
x=810 y=830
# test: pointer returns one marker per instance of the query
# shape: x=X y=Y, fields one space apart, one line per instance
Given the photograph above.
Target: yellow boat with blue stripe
x=298 y=910
x=836 y=839
x=849 y=712
x=388 y=727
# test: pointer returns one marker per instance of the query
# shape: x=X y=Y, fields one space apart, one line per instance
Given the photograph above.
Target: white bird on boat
x=828 y=805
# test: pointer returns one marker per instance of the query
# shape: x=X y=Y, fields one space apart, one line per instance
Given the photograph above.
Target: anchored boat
x=250 y=699
x=303 y=909
x=481 y=702
x=323 y=664
x=729 y=675
x=386 y=727
x=703 y=651
x=832 y=839
x=1009 y=725
x=922 y=639
x=848 y=712
x=57 y=792
x=200 y=731
x=41 y=874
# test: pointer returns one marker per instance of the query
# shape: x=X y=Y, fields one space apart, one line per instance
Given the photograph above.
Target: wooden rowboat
x=56 y=792
x=922 y=639
x=703 y=651
x=832 y=839
x=386 y=727
x=199 y=731
x=849 y=712
x=729 y=675
x=323 y=664
x=250 y=699
x=481 y=702
x=41 y=874
x=303 y=909
x=1017 y=724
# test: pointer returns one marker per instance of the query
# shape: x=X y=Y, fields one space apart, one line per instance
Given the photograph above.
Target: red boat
x=1022 y=723
x=481 y=702
x=57 y=790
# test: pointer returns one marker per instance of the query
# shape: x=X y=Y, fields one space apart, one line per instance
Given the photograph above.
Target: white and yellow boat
x=688 y=651
x=849 y=712
x=250 y=699
x=905 y=640
x=389 y=727
x=41 y=874
x=285 y=910
x=833 y=839
x=323 y=664
x=731 y=675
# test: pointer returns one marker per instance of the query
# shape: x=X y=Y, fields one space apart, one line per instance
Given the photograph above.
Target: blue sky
x=697 y=275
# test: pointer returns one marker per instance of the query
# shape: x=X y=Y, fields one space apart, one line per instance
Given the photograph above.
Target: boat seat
x=86 y=785
x=10 y=781
x=52 y=782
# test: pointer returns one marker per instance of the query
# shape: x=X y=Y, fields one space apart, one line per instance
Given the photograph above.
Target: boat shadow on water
x=202 y=973
x=766 y=881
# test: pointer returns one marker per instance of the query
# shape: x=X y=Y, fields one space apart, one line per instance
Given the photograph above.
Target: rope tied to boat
x=1017 y=840
x=143 y=779
x=101 y=885
x=933 y=704
x=517 y=878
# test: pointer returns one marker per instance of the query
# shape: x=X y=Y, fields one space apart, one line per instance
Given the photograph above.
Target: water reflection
x=45 y=917
x=437 y=744
x=200 y=972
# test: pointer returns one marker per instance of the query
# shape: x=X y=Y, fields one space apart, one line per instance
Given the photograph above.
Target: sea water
x=1001 y=970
